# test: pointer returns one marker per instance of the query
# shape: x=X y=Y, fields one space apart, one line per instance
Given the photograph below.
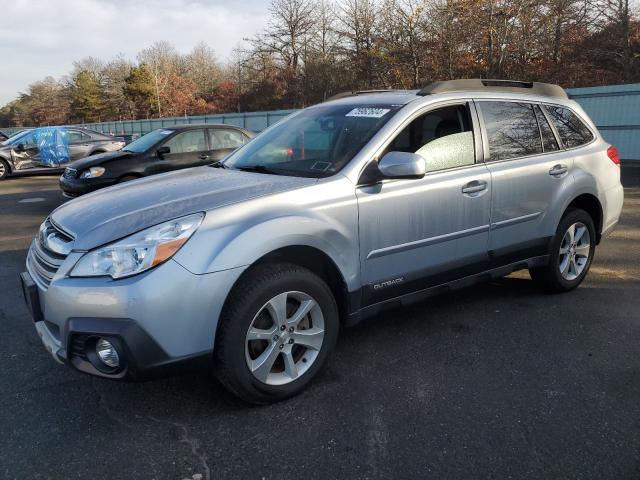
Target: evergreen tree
x=140 y=90
x=86 y=97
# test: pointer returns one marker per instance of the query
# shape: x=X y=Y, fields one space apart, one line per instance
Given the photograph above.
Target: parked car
x=162 y=150
x=339 y=212
x=48 y=149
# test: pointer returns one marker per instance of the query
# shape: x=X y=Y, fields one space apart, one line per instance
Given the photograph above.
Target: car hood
x=115 y=212
x=98 y=159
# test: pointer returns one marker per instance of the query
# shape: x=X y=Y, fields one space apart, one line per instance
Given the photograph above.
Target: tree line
x=312 y=49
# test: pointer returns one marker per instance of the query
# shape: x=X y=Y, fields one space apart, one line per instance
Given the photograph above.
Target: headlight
x=140 y=251
x=93 y=172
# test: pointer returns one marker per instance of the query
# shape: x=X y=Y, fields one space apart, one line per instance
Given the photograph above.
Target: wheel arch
x=590 y=204
x=8 y=162
x=314 y=260
x=129 y=174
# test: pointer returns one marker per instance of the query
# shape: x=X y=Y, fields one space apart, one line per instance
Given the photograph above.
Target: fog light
x=107 y=353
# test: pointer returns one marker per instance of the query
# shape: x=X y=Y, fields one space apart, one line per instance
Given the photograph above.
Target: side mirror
x=402 y=165
x=163 y=151
x=20 y=147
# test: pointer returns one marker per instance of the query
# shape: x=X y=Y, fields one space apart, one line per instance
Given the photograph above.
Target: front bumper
x=74 y=187
x=160 y=320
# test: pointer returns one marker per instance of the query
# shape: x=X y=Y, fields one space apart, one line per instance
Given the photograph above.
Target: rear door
x=223 y=141
x=528 y=172
x=186 y=149
x=80 y=144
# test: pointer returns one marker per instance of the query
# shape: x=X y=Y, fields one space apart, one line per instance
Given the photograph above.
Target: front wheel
x=4 y=169
x=276 y=333
x=572 y=250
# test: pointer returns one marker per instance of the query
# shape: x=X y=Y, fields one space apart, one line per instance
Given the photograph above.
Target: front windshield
x=16 y=139
x=147 y=141
x=317 y=142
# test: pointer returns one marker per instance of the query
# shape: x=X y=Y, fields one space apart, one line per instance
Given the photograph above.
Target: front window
x=443 y=137
x=27 y=137
x=187 y=142
x=147 y=141
x=317 y=142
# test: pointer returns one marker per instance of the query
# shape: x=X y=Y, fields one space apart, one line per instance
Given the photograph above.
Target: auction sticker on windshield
x=367 y=112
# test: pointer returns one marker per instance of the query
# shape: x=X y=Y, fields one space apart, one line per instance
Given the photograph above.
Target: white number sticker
x=367 y=112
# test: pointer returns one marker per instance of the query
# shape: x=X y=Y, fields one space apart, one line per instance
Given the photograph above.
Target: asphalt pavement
x=496 y=381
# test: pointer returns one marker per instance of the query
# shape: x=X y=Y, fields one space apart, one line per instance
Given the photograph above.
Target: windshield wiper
x=218 y=164
x=260 y=169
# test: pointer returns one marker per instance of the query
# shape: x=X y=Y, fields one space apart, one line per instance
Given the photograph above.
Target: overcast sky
x=43 y=37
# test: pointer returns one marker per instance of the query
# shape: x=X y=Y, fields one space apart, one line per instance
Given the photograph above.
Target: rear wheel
x=276 y=333
x=572 y=250
x=4 y=169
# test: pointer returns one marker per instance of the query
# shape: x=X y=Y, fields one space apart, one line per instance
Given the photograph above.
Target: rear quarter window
x=572 y=131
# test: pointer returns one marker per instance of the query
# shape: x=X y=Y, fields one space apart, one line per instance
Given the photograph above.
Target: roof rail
x=358 y=92
x=488 y=85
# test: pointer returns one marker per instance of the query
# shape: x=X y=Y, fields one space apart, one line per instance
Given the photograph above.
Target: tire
x=127 y=178
x=238 y=351
x=561 y=275
x=5 y=170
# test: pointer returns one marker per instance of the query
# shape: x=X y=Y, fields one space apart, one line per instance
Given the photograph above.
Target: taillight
x=612 y=153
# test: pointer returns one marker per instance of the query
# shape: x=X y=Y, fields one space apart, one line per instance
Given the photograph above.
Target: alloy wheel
x=284 y=338
x=574 y=251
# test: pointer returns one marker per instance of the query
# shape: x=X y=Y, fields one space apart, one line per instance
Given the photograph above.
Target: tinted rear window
x=512 y=129
x=572 y=131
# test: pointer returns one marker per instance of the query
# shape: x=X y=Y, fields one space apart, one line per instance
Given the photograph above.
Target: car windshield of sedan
x=147 y=141
x=317 y=142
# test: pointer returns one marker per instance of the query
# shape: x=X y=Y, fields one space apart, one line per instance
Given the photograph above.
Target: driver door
x=26 y=154
x=186 y=149
x=423 y=232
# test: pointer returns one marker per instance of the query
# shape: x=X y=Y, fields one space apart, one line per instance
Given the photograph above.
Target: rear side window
x=512 y=130
x=549 y=142
x=572 y=131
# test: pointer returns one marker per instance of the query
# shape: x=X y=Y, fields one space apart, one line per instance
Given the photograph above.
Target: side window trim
x=543 y=109
x=551 y=126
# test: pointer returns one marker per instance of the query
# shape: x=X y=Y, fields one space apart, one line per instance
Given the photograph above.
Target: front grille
x=70 y=173
x=42 y=261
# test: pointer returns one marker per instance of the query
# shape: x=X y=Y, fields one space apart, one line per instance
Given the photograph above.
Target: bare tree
x=162 y=60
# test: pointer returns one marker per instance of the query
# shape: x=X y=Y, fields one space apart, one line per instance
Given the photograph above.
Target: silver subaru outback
x=374 y=199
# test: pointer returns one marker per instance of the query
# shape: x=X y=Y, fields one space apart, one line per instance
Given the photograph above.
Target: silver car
x=369 y=201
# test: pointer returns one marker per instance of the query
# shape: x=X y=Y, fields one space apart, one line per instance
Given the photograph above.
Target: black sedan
x=162 y=150
x=49 y=149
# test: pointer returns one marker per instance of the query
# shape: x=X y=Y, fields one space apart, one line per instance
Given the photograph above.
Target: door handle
x=204 y=157
x=474 y=187
x=558 y=170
